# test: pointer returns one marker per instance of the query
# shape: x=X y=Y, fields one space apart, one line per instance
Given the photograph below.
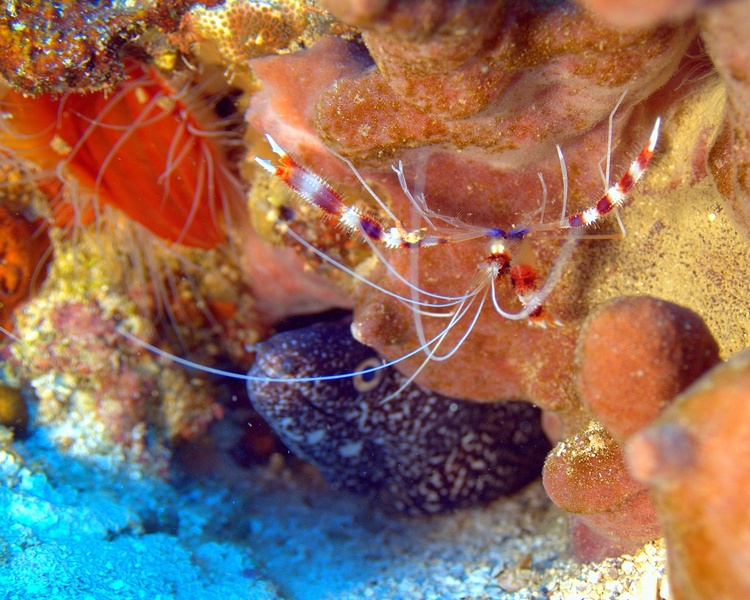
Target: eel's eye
x=366 y=382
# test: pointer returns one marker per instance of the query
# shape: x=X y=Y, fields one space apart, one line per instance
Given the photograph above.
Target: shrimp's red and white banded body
x=319 y=194
x=316 y=192
x=503 y=245
x=504 y=259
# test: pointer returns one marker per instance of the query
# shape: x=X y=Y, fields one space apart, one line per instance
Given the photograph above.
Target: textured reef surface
x=131 y=209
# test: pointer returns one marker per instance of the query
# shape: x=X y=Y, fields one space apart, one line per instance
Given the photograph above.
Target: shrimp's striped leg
x=316 y=192
x=524 y=279
x=617 y=194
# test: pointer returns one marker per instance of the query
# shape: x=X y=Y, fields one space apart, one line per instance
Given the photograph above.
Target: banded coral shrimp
x=455 y=310
x=501 y=263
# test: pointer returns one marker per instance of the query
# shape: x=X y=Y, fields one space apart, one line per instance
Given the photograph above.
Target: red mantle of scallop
x=152 y=147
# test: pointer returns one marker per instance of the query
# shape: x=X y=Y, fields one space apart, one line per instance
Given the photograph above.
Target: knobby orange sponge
x=634 y=355
x=610 y=513
x=695 y=459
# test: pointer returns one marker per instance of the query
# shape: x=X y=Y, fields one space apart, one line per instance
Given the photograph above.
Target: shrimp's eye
x=368 y=381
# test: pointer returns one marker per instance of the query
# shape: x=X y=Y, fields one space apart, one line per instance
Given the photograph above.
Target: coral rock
x=56 y=47
x=695 y=458
x=70 y=358
x=243 y=30
x=100 y=396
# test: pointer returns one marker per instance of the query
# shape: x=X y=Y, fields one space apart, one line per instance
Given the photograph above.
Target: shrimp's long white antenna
x=610 y=136
x=11 y=335
x=450 y=301
x=615 y=195
x=437 y=340
x=245 y=377
x=564 y=172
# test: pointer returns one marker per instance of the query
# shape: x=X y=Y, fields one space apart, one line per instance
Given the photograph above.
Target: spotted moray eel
x=416 y=453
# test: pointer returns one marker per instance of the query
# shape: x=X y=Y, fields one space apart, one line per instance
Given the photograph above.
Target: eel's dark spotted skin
x=417 y=453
